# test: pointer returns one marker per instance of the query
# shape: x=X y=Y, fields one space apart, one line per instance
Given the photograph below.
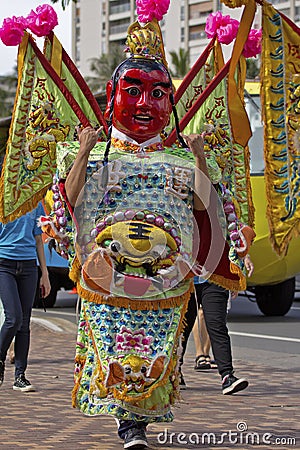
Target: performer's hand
x=196 y=144
x=88 y=138
x=249 y=265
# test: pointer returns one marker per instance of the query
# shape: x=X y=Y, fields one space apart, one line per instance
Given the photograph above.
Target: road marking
x=62 y=313
x=47 y=324
x=295 y=307
x=264 y=336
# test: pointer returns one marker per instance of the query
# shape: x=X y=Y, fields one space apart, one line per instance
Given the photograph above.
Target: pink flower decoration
x=151 y=9
x=252 y=46
x=225 y=27
x=43 y=20
x=12 y=30
x=133 y=340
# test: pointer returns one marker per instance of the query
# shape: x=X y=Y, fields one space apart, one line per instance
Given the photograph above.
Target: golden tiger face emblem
x=138 y=259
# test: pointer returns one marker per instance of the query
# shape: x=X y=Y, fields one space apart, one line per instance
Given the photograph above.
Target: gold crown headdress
x=145 y=40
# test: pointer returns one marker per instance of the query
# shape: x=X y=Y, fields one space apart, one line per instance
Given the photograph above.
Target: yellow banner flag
x=281 y=113
x=48 y=107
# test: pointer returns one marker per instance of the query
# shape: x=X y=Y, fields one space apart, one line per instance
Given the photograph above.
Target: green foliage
x=103 y=67
x=253 y=68
x=64 y=3
x=8 y=86
x=180 y=62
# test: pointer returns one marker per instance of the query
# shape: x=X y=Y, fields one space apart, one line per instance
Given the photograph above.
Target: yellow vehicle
x=273 y=281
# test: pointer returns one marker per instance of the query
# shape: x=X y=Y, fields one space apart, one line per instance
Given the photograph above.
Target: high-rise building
x=97 y=24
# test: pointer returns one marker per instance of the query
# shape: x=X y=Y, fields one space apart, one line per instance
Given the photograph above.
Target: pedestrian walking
x=20 y=245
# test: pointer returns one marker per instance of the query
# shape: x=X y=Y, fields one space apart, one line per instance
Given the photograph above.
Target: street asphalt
x=266 y=415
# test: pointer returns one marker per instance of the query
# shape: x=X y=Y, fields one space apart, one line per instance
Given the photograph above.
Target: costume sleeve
x=213 y=251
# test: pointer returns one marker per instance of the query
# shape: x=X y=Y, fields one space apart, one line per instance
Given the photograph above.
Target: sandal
x=213 y=364
x=201 y=363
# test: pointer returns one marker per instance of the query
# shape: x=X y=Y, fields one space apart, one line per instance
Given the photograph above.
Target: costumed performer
x=136 y=207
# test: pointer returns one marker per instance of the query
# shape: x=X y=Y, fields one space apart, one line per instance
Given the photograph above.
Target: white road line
x=62 y=313
x=46 y=323
x=264 y=336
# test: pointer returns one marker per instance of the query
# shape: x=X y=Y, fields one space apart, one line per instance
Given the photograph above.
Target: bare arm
x=44 y=281
x=249 y=265
x=76 y=177
x=250 y=268
x=202 y=183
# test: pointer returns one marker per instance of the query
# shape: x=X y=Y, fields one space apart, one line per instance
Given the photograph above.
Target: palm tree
x=103 y=67
x=64 y=3
x=8 y=86
x=180 y=62
x=253 y=68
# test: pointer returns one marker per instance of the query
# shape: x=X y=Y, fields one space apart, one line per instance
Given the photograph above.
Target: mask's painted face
x=142 y=104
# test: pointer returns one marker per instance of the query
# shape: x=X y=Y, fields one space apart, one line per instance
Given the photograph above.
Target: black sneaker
x=21 y=384
x=232 y=384
x=2 y=368
x=135 y=439
x=182 y=384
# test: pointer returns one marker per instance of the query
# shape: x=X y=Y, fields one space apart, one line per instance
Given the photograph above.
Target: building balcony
x=120 y=37
x=201 y=20
x=118 y=29
x=119 y=16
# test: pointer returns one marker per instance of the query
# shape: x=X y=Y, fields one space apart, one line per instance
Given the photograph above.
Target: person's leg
x=12 y=309
x=201 y=337
x=9 y=294
x=189 y=320
x=204 y=333
x=197 y=335
x=27 y=281
x=202 y=343
x=214 y=303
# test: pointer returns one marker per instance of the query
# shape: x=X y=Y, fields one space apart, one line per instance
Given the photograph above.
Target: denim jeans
x=18 y=281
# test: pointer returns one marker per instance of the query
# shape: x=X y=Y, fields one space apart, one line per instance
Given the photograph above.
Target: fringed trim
x=26 y=207
x=130 y=399
x=74 y=393
x=74 y=273
x=81 y=361
x=182 y=322
x=227 y=283
x=124 y=302
x=281 y=248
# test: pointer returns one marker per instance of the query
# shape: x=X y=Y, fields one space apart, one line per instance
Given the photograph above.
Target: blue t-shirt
x=199 y=280
x=17 y=238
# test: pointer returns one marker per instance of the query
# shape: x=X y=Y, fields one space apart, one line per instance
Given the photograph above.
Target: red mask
x=142 y=104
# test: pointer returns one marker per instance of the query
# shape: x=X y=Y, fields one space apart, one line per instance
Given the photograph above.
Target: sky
x=9 y=8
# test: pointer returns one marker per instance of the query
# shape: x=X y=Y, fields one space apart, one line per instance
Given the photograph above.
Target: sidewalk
x=44 y=419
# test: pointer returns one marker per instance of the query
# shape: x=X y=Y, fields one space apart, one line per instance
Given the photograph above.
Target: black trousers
x=214 y=300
